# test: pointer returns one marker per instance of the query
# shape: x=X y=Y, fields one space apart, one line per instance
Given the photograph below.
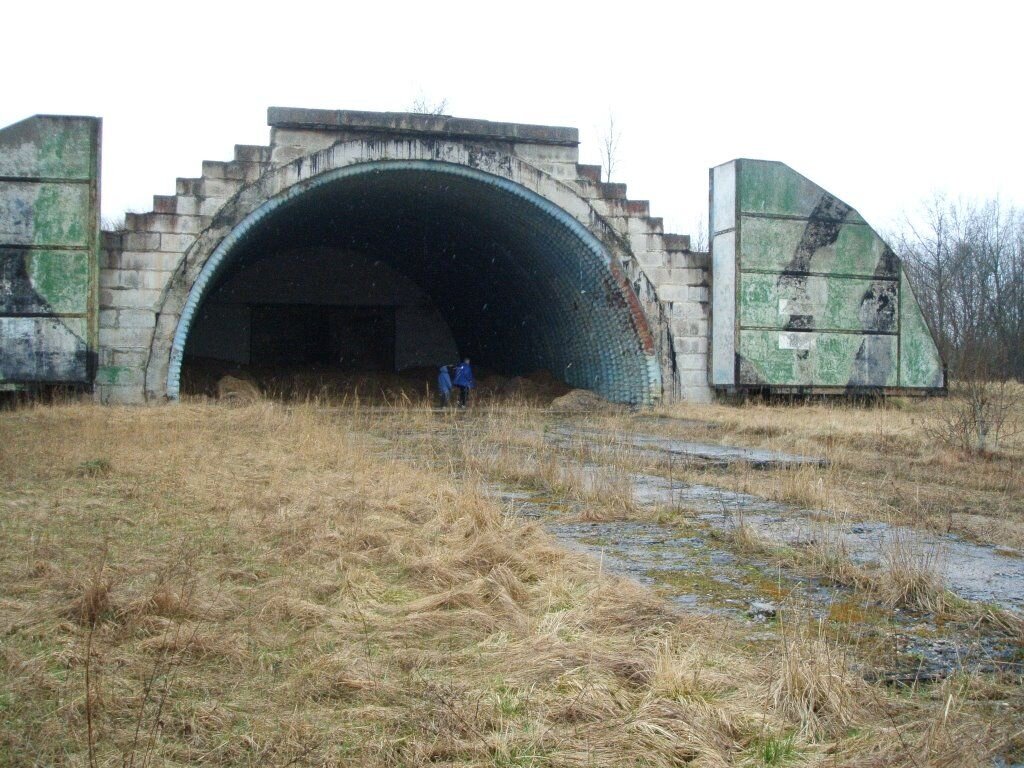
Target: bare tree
x=700 y=240
x=610 y=147
x=966 y=264
x=421 y=105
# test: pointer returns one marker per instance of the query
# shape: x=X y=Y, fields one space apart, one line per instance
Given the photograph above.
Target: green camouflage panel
x=821 y=302
x=920 y=364
x=826 y=359
x=821 y=299
x=769 y=244
x=49 y=245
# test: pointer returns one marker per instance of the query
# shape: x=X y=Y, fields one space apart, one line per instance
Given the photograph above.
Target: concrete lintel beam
x=674 y=242
x=410 y=123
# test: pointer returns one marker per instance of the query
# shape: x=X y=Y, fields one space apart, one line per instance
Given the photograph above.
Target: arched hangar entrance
x=402 y=263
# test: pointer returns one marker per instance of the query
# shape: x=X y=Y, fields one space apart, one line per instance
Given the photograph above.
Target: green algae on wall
x=49 y=244
x=807 y=295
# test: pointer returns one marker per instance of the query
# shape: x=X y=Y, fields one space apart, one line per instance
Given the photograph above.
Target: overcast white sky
x=883 y=104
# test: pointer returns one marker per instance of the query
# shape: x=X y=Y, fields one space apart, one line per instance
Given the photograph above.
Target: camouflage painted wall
x=49 y=245
x=806 y=294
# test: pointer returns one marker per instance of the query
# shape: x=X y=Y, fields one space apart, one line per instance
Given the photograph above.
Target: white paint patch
x=723 y=198
x=723 y=312
x=783 y=306
x=797 y=341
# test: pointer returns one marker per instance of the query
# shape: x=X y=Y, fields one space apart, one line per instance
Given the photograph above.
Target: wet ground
x=691 y=558
x=972 y=571
x=690 y=562
x=690 y=568
x=706 y=453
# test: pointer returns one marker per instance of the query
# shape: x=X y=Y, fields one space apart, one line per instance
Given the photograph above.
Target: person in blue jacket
x=444 y=385
x=464 y=381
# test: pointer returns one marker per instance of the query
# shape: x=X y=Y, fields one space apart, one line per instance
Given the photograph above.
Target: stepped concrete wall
x=149 y=270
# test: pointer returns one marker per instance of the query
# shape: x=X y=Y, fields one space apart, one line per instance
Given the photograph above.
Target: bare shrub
x=979 y=414
x=911 y=576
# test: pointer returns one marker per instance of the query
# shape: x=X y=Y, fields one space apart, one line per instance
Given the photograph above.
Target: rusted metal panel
x=49 y=245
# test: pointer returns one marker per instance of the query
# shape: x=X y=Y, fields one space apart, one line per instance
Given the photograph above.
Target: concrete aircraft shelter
x=389 y=241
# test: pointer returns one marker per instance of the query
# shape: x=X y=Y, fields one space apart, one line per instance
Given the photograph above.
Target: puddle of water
x=720 y=455
x=971 y=571
x=697 y=576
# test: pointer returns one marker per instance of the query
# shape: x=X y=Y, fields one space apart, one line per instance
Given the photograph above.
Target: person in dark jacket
x=464 y=381
x=444 y=385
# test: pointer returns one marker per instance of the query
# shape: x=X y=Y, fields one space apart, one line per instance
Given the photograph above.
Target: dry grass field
x=296 y=584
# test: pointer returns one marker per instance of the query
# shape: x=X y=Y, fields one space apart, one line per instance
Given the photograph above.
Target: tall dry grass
x=883 y=462
x=271 y=585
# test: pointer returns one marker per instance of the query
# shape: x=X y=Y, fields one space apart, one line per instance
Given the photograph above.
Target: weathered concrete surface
x=571 y=274
x=706 y=453
x=695 y=572
x=807 y=296
x=643 y=279
x=49 y=230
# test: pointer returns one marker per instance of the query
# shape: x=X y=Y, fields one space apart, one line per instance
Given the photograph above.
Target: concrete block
x=168 y=222
x=249 y=172
x=142 y=260
x=165 y=204
x=649 y=259
x=189 y=186
x=689 y=260
x=219 y=187
x=212 y=205
x=176 y=244
x=592 y=173
x=537 y=154
x=697 y=394
x=252 y=153
x=685 y=276
x=688 y=310
x=688 y=345
x=674 y=293
x=141 y=241
x=111 y=240
x=698 y=293
x=136 y=318
x=120 y=376
x=134 y=278
x=657 y=275
x=125 y=298
x=691 y=361
x=130 y=358
x=117 y=395
x=647 y=241
x=156 y=379
x=674 y=242
x=218 y=169
x=186 y=205
x=167 y=324
x=692 y=378
x=126 y=338
x=640 y=225
x=690 y=328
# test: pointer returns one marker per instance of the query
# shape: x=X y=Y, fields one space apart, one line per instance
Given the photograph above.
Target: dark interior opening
x=402 y=270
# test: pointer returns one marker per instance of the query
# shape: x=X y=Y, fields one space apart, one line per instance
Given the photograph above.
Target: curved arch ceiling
x=522 y=285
